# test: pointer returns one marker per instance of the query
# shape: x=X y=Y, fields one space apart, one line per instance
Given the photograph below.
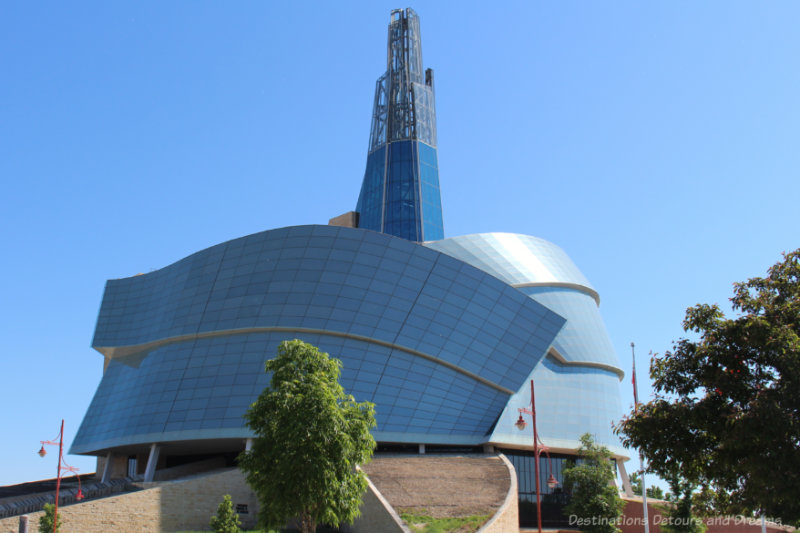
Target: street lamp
x=538 y=448
x=62 y=467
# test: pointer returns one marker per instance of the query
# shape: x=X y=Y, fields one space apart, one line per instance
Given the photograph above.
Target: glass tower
x=400 y=193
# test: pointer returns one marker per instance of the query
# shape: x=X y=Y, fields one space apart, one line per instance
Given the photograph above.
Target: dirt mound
x=441 y=486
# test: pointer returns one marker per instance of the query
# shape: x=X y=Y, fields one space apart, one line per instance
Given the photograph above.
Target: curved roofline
x=116 y=352
x=498 y=233
x=557 y=446
x=243 y=237
x=578 y=282
x=552 y=352
x=551 y=243
x=581 y=288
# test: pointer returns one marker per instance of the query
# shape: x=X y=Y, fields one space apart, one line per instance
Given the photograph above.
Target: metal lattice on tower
x=400 y=193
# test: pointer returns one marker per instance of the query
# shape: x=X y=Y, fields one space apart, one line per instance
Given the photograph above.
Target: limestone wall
x=376 y=515
x=181 y=505
x=198 y=467
x=506 y=519
x=189 y=503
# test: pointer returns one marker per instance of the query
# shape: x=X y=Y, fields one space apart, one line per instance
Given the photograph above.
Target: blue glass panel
x=385 y=289
x=370 y=200
x=400 y=193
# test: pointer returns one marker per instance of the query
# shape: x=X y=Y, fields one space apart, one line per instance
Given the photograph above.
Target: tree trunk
x=307 y=523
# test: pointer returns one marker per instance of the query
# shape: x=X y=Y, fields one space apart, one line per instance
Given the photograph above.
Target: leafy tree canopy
x=653 y=491
x=595 y=501
x=726 y=414
x=310 y=438
x=681 y=515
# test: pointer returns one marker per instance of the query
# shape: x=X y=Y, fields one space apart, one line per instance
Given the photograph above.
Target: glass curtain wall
x=400 y=192
x=553 y=500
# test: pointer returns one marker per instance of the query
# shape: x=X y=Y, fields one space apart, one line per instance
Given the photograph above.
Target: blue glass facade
x=443 y=335
x=444 y=338
x=432 y=224
x=199 y=390
x=400 y=192
x=437 y=344
x=370 y=201
x=577 y=384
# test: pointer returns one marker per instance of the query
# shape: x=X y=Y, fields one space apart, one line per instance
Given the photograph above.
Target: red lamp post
x=62 y=467
x=538 y=448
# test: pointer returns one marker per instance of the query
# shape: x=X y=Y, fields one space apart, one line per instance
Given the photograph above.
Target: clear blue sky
x=656 y=143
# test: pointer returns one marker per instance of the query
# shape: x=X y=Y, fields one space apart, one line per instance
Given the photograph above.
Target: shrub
x=47 y=519
x=227 y=520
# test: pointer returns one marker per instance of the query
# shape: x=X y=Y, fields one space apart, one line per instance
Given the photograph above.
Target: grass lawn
x=427 y=524
x=321 y=529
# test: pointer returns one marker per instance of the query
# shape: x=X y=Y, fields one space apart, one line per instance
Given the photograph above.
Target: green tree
x=726 y=414
x=655 y=492
x=227 y=520
x=594 y=500
x=310 y=438
x=47 y=519
x=680 y=515
x=652 y=492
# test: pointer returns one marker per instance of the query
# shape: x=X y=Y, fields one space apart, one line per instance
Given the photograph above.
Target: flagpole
x=641 y=460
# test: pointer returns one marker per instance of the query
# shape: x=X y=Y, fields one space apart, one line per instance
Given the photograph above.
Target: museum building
x=444 y=335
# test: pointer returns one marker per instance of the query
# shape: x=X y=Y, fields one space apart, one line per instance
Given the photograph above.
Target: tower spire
x=400 y=192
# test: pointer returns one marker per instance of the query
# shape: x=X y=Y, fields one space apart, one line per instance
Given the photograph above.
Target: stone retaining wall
x=506 y=519
x=188 y=504
x=376 y=515
x=181 y=505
